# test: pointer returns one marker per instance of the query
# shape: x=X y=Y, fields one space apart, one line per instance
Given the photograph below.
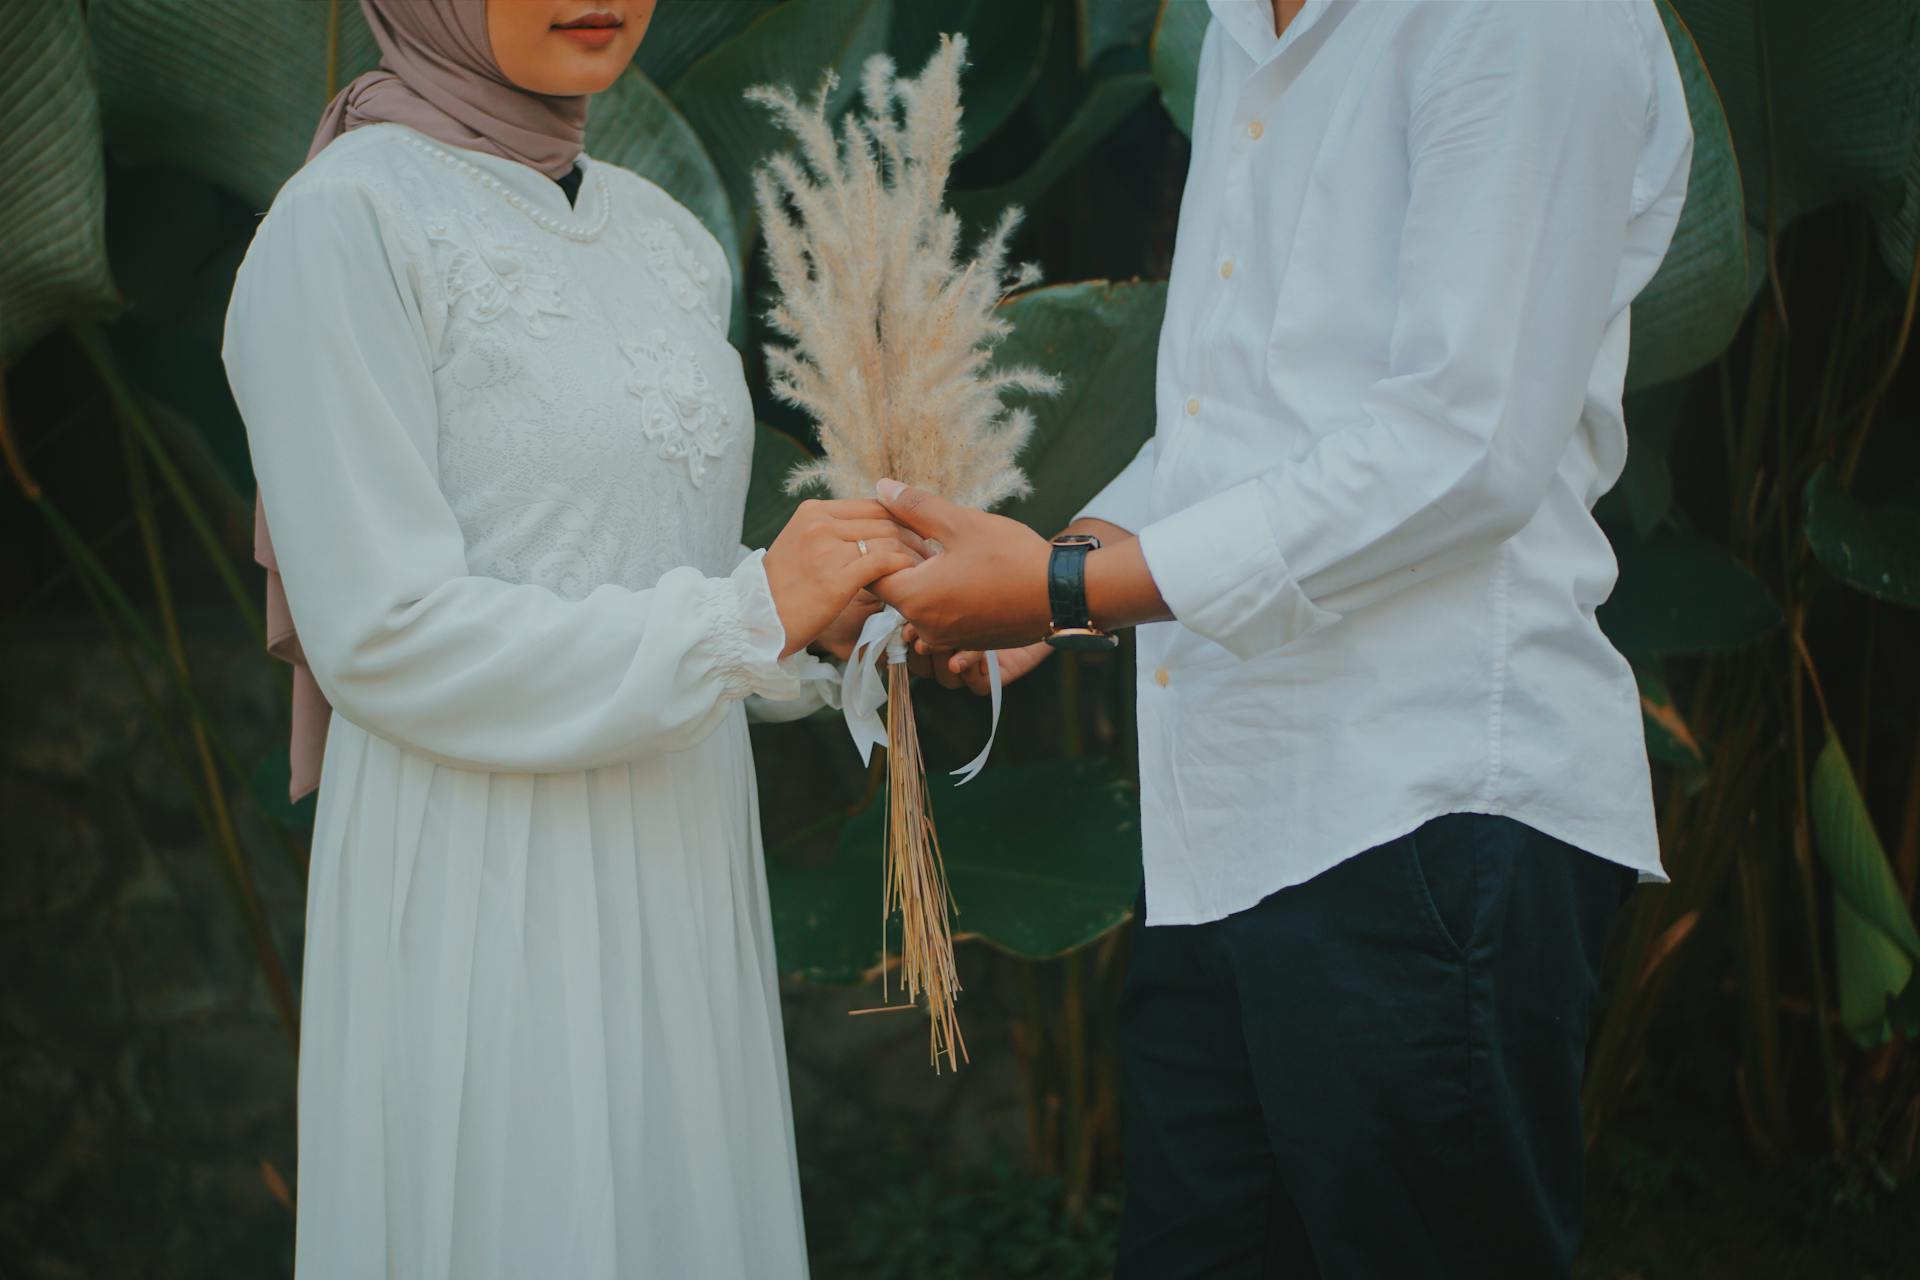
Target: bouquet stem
x=916 y=878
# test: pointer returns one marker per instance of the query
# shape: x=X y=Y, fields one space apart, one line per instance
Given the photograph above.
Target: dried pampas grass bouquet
x=888 y=339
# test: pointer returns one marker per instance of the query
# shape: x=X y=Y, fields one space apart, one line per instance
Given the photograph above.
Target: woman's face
x=565 y=47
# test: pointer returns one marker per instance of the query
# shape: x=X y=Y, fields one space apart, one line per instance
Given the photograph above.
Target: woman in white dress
x=502 y=447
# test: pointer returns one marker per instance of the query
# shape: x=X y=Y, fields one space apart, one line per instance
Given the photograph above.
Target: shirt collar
x=1250 y=24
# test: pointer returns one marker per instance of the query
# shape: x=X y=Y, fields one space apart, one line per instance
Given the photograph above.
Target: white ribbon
x=863 y=692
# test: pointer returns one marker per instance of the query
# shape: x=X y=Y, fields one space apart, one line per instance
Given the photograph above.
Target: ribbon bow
x=863 y=692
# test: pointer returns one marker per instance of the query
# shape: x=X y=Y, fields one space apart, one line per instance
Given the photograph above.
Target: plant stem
x=133 y=418
x=225 y=838
x=1803 y=864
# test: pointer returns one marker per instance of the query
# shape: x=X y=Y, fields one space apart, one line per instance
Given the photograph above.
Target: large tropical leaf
x=1872 y=547
x=180 y=370
x=794 y=44
x=769 y=505
x=633 y=124
x=1644 y=493
x=1691 y=309
x=53 y=251
x=683 y=31
x=1006 y=44
x=1875 y=942
x=1176 y=57
x=1680 y=595
x=1107 y=103
x=212 y=88
x=1823 y=100
x=1113 y=24
x=1043 y=858
x=1100 y=338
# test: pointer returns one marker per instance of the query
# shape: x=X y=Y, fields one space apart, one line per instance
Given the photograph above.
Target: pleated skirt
x=540 y=1026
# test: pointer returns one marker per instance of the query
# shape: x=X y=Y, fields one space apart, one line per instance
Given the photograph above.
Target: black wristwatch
x=1067 y=595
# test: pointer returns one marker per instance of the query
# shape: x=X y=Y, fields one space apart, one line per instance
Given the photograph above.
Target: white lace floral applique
x=679 y=410
x=678 y=268
x=491 y=273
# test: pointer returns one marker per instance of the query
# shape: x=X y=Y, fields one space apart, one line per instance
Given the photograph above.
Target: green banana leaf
x=1693 y=306
x=169 y=238
x=53 y=249
x=1875 y=942
x=1006 y=47
x=683 y=31
x=769 y=505
x=209 y=88
x=1821 y=99
x=1107 y=103
x=1872 y=547
x=1682 y=595
x=1101 y=338
x=1113 y=24
x=182 y=372
x=1042 y=859
x=1175 y=57
x=793 y=44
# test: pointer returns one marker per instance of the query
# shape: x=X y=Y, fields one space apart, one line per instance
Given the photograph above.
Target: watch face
x=1077 y=540
x=1082 y=639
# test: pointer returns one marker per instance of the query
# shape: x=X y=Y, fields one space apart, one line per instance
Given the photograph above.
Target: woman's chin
x=568 y=72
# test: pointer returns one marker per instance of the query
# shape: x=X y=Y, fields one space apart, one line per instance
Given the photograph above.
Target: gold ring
x=862 y=544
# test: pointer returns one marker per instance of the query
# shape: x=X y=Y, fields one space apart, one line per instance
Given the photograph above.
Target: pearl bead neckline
x=520 y=202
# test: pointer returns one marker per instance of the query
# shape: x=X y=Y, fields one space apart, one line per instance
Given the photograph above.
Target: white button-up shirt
x=1388 y=396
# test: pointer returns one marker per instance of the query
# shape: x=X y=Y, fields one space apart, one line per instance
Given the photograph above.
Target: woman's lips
x=594 y=31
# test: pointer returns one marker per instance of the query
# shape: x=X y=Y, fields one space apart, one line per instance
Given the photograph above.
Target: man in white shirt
x=1393 y=780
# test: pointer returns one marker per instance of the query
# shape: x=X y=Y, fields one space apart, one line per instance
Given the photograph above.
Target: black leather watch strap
x=1067 y=595
x=1067 y=584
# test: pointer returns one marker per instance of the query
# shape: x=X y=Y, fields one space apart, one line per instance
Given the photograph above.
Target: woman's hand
x=816 y=566
x=843 y=632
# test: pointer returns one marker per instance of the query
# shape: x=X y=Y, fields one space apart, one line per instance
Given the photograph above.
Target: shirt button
x=1193 y=407
x=1255 y=129
x=1161 y=676
x=1226 y=269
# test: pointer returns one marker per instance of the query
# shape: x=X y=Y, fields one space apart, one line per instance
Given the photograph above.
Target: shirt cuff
x=1220 y=570
x=746 y=636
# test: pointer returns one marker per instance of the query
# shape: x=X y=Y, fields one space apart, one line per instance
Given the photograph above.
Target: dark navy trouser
x=1372 y=1074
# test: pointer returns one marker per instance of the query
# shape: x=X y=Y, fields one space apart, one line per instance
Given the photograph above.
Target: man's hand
x=987 y=586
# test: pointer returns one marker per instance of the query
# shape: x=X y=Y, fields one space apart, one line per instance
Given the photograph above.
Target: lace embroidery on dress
x=679 y=409
x=491 y=272
x=678 y=268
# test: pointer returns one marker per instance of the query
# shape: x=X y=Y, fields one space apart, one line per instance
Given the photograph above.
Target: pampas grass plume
x=888 y=329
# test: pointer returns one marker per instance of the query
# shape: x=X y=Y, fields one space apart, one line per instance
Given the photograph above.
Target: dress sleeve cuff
x=745 y=637
x=1220 y=569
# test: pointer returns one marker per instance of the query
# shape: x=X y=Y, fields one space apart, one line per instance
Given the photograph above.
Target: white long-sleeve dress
x=503 y=447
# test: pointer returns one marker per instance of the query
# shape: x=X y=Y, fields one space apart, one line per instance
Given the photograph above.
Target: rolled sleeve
x=1221 y=571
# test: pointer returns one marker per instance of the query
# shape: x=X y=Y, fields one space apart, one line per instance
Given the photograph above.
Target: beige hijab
x=438 y=76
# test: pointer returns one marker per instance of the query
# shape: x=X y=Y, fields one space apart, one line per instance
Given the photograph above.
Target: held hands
x=817 y=566
x=987 y=587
